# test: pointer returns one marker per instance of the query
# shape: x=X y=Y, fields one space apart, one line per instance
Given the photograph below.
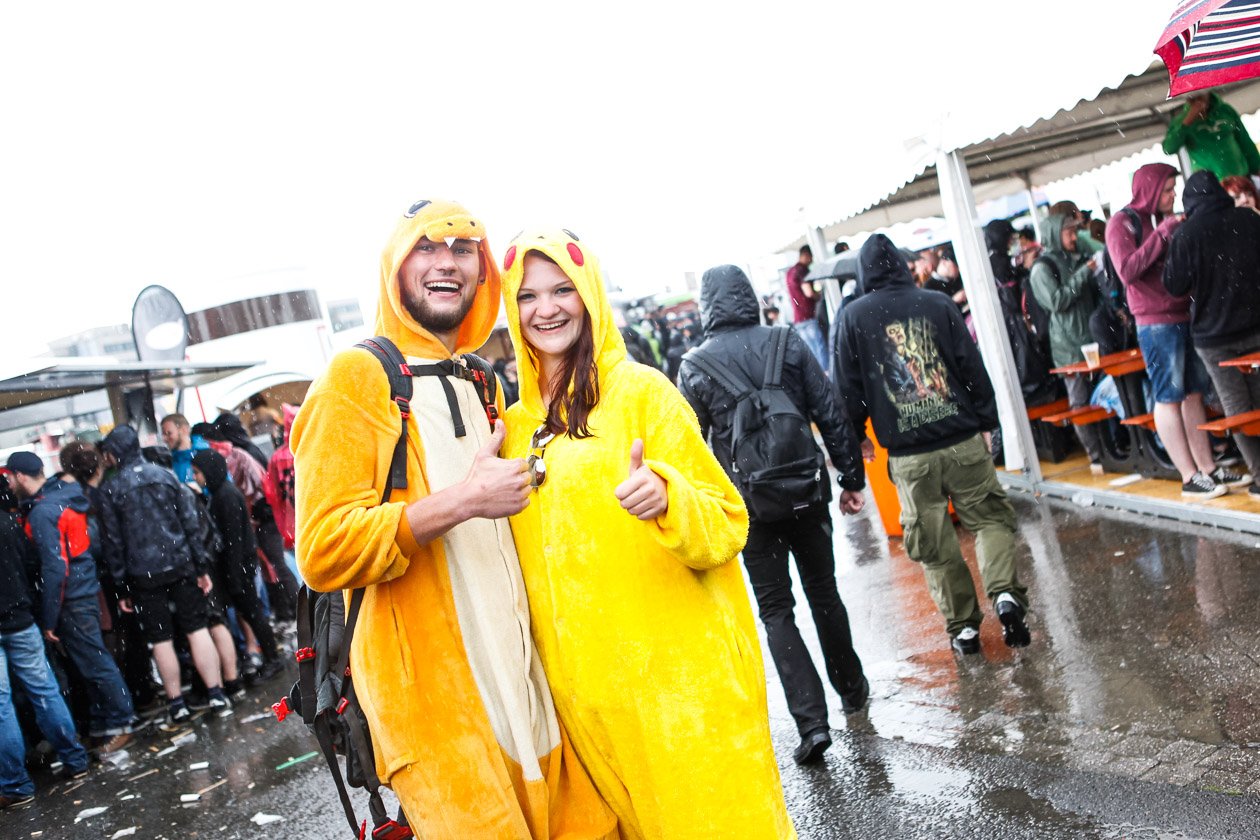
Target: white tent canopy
x=1118 y=122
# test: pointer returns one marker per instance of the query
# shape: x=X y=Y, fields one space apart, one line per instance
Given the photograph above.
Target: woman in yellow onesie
x=642 y=621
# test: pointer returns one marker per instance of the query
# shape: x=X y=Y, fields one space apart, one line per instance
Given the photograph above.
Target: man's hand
x=124 y=604
x=643 y=494
x=205 y=584
x=51 y=636
x=868 y=450
x=988 y=441
x=851 y=501
x=497 y=487
x=1198 y=107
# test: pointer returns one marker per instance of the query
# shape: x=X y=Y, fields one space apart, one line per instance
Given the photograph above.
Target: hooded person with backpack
x=443 y=663
x=1062 y=280
x=628 y=547
x=905 y=359
x=732 y=362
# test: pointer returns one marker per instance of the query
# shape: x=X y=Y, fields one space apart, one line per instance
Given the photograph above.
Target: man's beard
x=437 y=322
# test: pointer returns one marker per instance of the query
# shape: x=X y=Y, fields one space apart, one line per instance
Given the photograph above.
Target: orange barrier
x=882 y=488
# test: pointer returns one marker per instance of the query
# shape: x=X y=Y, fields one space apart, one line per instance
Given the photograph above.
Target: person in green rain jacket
x=1062 y=281
x=1215 y=137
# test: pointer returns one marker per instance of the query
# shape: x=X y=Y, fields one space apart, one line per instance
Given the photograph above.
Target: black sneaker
x=854 y=701
x=180 y=713
x=967 y=641
x=69 y=774
x=270 y=669
x=1229 y=478
x=812 y=746
x=1011 y=614
x=220 y=705
x=234 y=690
x=1202 y=486
x=16 y=801
x=1254 y=491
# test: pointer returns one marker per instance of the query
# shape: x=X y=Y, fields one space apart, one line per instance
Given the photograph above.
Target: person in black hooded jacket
x=282 y=586
x=238 y=557
x=151 y=541
x=734 y=338
x=1215 y=258
x=903 y=357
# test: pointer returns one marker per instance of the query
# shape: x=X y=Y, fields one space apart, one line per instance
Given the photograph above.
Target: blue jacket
x=66 y=538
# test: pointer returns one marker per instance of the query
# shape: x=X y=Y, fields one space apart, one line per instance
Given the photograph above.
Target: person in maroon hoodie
x=1137 y=241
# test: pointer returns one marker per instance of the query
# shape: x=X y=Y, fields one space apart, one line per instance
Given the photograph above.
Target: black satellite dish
x=159 y=325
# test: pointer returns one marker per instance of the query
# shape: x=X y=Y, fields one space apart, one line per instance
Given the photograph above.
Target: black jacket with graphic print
x=903 y=357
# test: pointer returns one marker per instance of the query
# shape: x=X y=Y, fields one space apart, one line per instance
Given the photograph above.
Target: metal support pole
x=1031 y=199
x=986 y=313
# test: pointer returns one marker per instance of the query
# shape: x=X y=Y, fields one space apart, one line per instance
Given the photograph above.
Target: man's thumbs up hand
x=644 y=493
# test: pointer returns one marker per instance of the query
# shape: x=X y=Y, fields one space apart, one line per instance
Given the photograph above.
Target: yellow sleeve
x=343 y=440
x=706 y=524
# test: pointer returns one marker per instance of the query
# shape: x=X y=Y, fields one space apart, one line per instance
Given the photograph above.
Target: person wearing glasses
x=461 y=716
x=639 y=613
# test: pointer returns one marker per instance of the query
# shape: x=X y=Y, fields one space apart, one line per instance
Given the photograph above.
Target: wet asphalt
x=1132 y=715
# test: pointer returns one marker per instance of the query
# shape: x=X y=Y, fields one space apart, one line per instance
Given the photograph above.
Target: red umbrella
x=1209 y=43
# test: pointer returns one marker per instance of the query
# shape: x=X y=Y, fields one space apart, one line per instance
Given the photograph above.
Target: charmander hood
x=581 y=266
x=438 y=220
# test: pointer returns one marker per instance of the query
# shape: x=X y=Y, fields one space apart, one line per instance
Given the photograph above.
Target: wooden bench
x=1082 y=416
x=1247 y=423
x=1146 y=421
x=1037 y=412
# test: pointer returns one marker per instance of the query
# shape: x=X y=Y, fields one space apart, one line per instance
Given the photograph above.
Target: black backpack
x=324 y=694
x=775 y=462
x=1110 y=284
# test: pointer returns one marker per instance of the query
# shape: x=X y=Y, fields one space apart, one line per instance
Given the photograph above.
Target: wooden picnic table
x=1116 y=364
x=1251 y=361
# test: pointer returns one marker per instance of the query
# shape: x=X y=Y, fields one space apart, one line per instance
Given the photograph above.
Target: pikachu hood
x=581 y=266
x=439 y=220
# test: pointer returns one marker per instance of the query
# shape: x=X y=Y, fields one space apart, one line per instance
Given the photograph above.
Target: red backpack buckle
x=281 y=709
x=304 y=654
x=404 y=405
x=341 y=707
x=392 y=830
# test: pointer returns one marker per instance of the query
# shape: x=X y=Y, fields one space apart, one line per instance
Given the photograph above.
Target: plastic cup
x=1092 y=357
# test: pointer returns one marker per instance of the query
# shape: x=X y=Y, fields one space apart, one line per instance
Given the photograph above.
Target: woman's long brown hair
x=575 y=391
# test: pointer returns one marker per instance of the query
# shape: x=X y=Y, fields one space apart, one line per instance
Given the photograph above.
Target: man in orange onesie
x=462 y=719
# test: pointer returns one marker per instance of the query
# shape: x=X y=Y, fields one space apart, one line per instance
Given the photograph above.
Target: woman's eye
x=524 y=296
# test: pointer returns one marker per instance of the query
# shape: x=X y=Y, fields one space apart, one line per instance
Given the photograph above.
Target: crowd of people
x=129 y=591
x=550 y=601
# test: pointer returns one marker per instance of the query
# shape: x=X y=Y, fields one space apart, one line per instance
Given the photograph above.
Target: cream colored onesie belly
x=486 y=583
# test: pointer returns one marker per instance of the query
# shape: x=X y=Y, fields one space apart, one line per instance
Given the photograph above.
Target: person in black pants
x=238 y=561
x=734 y=338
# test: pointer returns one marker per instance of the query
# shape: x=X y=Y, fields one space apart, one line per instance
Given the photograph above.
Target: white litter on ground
x=265 y=819
x=90 y=812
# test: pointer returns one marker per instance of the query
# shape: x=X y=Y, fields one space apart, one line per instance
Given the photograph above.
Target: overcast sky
x=214 y=149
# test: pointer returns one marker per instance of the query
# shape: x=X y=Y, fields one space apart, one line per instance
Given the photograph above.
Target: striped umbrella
x=1209 y=43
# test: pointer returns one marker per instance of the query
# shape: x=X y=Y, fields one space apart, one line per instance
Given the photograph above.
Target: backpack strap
x=719 y=373
x=471 y=368
x=775 y=354
x=1136 y=221
x=1049 y=263
x=400 y=389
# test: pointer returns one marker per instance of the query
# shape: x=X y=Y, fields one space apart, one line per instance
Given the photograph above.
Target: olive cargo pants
x=926 y=484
